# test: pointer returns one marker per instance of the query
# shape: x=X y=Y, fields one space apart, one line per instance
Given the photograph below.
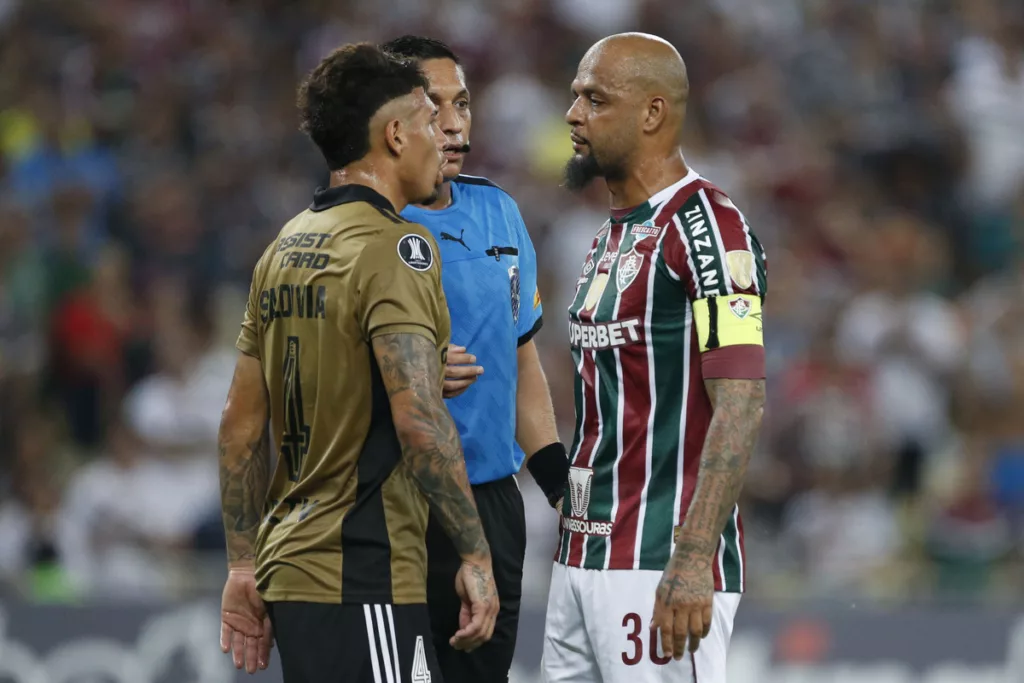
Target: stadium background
x=148 y=151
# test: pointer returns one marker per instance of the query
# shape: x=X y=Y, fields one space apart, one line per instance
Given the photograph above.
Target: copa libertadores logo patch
x=415 y=252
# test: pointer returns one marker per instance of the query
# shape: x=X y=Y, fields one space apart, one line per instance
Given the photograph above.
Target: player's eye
x=462 y=104
x=594 y=102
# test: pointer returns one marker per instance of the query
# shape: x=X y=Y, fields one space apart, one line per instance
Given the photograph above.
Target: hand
x=460 y=372
x=244 y=625
x=682 y=605
x=475 y=585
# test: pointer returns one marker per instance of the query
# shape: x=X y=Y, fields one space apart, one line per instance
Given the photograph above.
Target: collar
x=330 y=197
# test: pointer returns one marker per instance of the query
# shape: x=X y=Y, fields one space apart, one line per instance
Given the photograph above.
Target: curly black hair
x=420 y=48
x=340 y=96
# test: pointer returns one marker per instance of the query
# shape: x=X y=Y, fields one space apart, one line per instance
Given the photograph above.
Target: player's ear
x=657 y=111
x=395 y=136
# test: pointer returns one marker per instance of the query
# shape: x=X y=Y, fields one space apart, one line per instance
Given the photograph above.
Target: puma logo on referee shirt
x=452 y=238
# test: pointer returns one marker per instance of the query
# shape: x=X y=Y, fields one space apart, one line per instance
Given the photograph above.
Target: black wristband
x=550 y=469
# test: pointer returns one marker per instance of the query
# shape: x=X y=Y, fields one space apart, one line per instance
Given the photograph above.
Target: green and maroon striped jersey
x=642 y=412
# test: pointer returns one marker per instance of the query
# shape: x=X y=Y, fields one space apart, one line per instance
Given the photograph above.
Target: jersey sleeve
x=721 y=265
x=398 y=282
x=248 y=338
x=531 y=310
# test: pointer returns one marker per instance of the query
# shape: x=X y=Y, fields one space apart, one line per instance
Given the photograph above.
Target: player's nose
x=573 y=116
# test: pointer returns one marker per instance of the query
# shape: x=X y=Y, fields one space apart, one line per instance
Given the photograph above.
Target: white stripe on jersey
x=619 y=409
x=597 y=386
x=718 y=239
x=374 y=652
x=384 y=645
x=681 y=452
x=739 y=555
x=697 y=284
x=652 y=388
x=394 y=643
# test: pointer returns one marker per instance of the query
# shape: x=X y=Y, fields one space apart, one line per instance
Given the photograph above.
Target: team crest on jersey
x=740 y=307
x=513 y=282
x=630 y=264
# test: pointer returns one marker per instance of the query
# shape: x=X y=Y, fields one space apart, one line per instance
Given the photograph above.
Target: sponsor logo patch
x=645 y=230
x=513 y=283
x=600 y=336
x=415 y=252
x=581 y=480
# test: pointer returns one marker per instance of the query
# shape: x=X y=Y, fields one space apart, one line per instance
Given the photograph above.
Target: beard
x=580 y=170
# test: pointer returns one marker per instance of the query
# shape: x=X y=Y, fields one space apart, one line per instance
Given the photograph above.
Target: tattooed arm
x=244 y=442
x=411 y=370
x=430 y=443
x=683 y=604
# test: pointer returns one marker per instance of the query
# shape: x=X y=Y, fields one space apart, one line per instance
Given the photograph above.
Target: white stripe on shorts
x=374 y=652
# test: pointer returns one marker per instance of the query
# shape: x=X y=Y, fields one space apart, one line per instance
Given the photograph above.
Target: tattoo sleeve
x=244 y=445
x=738 y=407
x=411 y=371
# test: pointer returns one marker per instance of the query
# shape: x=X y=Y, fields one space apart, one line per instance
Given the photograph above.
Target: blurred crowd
x=149 y=151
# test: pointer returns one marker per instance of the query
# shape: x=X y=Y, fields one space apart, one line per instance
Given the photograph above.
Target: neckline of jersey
x=327 y=198
x=658 y=197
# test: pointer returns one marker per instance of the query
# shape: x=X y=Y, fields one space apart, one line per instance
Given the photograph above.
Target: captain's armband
x=731 y=337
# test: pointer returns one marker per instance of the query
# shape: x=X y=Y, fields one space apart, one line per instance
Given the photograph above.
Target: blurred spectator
x=909 y=337
x=127 y=519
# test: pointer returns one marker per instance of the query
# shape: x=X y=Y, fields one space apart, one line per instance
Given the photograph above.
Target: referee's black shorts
x=324 y=643
x=504 y=520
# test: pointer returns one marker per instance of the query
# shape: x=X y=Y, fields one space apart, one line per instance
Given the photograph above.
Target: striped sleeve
x=721 y=264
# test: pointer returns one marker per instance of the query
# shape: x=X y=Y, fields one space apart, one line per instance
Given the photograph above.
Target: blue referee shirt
x=489 y=275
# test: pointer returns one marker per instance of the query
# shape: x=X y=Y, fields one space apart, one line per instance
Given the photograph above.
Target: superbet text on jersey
x=675 y=277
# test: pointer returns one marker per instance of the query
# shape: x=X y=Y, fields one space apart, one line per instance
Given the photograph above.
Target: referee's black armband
x=550 y=469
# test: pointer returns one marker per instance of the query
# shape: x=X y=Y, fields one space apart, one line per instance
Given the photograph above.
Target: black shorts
x=323 y=643
x=504 y=520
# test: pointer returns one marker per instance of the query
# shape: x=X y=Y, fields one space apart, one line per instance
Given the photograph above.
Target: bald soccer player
x=343 y=349
x=665 y=333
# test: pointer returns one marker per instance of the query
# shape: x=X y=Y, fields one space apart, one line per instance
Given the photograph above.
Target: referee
x=503 y=415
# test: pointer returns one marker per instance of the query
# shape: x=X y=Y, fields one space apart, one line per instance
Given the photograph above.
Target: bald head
x=630 y=103
x=646 y=65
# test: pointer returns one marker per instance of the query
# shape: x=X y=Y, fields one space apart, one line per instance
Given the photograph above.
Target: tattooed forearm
x=738 y=407
x=244 y=445
x=411 y=372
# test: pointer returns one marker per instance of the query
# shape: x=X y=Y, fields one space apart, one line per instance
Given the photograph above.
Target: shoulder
x=487 y=193
x=411 y=243
x=486 y=190
x=477 y=182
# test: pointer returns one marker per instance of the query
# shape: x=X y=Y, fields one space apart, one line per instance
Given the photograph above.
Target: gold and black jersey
x=343 y=523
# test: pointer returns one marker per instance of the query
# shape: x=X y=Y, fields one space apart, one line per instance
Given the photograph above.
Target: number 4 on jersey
x=295 y=440
x=420 y=669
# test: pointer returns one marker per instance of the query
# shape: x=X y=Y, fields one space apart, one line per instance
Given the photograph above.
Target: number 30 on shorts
x=634 y=651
